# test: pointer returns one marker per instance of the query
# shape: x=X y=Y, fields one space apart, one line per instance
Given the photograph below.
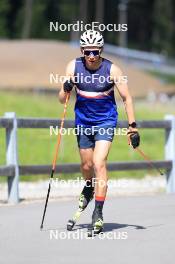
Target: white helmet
x=91 y=38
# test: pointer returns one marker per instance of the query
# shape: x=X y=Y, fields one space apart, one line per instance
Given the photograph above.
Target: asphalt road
x=138 y=230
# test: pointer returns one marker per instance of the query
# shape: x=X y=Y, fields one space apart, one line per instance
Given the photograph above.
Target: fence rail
x=46 y=122
x=12 y=169
x=75 y=167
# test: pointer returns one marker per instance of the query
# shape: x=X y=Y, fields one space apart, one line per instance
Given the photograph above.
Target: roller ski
x=97 y=222
x=85 y=197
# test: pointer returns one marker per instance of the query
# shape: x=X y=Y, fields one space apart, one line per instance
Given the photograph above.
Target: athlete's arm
x=121 y=84
x=70 y=74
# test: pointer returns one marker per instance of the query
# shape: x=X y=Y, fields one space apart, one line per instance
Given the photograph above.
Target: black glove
x=134 y=138
x=68 y=86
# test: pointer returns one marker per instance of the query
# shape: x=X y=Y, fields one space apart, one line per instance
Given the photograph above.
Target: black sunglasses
x=92 y=52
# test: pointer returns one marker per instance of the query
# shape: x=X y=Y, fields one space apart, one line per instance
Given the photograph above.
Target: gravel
x=72 y=188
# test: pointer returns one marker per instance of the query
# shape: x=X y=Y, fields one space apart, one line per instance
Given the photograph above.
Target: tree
x=27 y=19
x=162 y=26
x=4 y=9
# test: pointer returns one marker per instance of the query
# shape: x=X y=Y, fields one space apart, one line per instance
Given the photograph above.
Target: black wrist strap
x=133 y=125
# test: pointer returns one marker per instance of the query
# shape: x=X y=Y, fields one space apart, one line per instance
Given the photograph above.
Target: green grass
x=168 y=78
x=36 y=146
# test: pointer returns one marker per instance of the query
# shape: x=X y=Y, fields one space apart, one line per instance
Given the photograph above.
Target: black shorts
x=87 y=137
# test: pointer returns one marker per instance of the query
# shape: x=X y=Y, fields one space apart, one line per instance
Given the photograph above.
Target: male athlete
x=96 y=113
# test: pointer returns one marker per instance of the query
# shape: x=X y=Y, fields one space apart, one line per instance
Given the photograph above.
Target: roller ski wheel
x=73 y=221
x=70 y=225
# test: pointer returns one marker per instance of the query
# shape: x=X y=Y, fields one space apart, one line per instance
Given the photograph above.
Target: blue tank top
x=95 y=102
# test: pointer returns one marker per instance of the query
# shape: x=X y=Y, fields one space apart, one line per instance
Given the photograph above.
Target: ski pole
x=55 y=157
x=148 y=160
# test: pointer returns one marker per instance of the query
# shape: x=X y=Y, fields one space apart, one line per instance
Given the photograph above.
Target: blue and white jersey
x=95 y=102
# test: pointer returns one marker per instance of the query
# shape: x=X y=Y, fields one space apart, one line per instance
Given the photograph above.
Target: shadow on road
x=107 y=227
x=110 y=226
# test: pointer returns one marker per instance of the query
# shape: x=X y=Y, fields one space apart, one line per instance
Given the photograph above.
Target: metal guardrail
x=12 y=169
x=132 y=54
x=135 y=54
x=144 y=60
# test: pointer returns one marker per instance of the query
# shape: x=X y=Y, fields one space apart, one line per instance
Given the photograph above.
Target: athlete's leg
x=87 y=169
x=87 y=193
x=101 y=151
x=99 y=160
x=86 y=144
x=86 y=156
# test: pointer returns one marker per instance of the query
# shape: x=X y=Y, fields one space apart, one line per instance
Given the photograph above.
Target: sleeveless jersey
x=95 y=102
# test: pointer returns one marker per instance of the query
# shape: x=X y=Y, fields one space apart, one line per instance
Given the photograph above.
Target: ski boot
x=97 y=222
x=85 y=197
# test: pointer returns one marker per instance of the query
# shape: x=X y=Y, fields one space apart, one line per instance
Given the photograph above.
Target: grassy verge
x=168 y=78
x=36 y=146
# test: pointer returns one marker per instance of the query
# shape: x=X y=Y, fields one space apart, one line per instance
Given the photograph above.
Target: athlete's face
x=91 y=54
